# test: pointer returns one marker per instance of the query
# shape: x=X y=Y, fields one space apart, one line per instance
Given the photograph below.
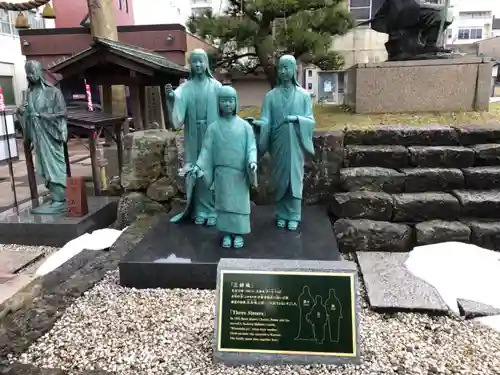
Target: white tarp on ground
x=460 y=271
x=100 y=239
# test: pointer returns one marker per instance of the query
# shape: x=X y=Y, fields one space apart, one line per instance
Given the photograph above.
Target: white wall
x=157 y=12
x=12 y=64
x=11 y=58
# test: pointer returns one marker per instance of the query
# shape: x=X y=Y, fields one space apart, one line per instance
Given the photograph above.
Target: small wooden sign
x=75 y=197
x=293 y=316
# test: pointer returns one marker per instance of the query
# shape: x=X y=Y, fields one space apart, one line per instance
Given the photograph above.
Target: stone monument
x=194 y=104
x=43 y=118
x=414 y=28
x=432 y=78
x=286 y=128
x=228 y=162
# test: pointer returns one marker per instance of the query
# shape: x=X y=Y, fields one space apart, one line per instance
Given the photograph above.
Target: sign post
x=293 y=312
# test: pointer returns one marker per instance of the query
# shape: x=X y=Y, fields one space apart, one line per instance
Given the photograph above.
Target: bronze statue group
x=222 y=149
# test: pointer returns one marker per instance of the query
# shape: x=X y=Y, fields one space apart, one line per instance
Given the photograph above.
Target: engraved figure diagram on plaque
x=288 y=313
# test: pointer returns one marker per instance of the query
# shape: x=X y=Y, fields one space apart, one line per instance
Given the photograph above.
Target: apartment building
x=12 y=77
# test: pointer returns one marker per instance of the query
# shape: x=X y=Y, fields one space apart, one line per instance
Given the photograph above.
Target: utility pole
x=103 y=25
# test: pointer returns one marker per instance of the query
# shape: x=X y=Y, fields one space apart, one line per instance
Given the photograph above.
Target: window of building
x=361 y=9
x=470 y=33
x=309 y=86
x=6 y=26
x=7 y=86
x=35 y=20
x=126 y=6
x=119 y=4
x=309 y=73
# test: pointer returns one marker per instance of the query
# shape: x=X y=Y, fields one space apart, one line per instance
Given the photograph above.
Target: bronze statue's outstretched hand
x=169 y=89
x=253 y=167
x=252 y=121
x=292 y=119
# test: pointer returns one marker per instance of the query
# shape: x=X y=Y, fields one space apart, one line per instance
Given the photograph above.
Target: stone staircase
x=405 y=186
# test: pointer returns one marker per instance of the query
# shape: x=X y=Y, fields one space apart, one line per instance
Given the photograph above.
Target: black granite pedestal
x=185 y=255
x=24 y=228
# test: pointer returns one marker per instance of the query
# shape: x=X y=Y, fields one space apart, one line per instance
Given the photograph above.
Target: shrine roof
x=125 y=51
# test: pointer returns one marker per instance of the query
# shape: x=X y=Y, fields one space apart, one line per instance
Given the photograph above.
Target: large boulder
x=135 y=205
x=144 y=158
x=162 y=190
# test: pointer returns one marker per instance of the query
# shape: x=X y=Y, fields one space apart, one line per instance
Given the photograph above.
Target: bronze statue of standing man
x=43 y=119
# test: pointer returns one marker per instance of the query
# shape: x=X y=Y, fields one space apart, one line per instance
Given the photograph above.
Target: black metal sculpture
x=413 y=27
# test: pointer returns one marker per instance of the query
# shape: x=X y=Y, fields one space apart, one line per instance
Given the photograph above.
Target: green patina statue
x=194 y=104
x=228 y=164
x=43 y=119
x=286 y=130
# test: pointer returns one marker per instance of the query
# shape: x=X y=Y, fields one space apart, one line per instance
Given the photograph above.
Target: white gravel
x=170 y=332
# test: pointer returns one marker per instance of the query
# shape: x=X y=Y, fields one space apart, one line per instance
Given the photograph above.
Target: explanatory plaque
x=297 y=312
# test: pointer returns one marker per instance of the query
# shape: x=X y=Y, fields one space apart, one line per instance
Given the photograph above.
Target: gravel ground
x=170 y=332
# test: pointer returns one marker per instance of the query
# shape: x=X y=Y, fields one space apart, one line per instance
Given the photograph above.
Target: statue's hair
x=202 y=53
x=291 y=59
x=37 y=65
x=228 y=91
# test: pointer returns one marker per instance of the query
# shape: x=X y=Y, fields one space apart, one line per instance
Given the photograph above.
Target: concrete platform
x=185 y=255
x=24 y=228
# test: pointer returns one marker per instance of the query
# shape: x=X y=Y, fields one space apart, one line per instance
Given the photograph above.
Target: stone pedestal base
x=460 y=84
x=185 y=255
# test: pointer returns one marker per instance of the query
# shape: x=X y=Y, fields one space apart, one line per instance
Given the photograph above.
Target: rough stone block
x=362 y=205
x=485 y=233
x=321 y=172
x=487 y=154
x=370 y=235
x=372 y=179
x=390 y=286
x=436 y=231
x=376 y=156
x=134 y=205
x=143 y=157
x=416 y=207
x=482 y=178
x=431 y=135
x=441 y=157
x=474 y=135
x=432 y=179
x=479 y=204
x=162 y=190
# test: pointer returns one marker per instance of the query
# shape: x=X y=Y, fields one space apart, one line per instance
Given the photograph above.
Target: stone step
x=370 y=235
x=372 y=179
x=487 y=154
x=405 y=135
x=474 y=135
x=354 y=235
x=362 y=205
x=376 y=156
x=482 y=178
x=417 y=207
x=484 y=233
x=436 y=231
x=432 y=179
x=441 y=156
x=479 y=204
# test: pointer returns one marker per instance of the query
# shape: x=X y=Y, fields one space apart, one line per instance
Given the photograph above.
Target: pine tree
x=251 y=34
